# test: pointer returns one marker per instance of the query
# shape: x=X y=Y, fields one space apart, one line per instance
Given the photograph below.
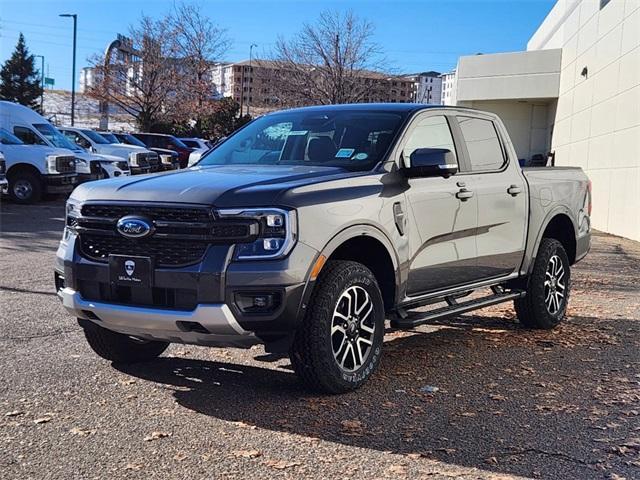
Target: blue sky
x=416 y=35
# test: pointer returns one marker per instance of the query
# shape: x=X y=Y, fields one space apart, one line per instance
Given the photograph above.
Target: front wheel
x=120 y=348
x=339 y=343
x=25 y=187
x=548 y=287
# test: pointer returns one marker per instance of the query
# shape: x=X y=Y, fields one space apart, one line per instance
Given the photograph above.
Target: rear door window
x=483 y=145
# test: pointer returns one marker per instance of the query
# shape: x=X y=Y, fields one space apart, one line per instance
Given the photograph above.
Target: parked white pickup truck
x=140 y=159
x=33 y=170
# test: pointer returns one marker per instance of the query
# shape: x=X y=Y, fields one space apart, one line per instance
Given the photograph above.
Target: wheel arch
x=368 y=245
x=23 y=167
x=558 y=225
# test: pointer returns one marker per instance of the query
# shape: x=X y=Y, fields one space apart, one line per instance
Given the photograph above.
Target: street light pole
x=73 y=68
x=250 y=77
x=41 y=83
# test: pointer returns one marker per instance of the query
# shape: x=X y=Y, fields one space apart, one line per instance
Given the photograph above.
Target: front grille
x=65 y=164
x=95 y=167
x=142 y=160
x=165 y=252
x=154 y=160
x=181 y=234
x=160 y=213
x=173 y=298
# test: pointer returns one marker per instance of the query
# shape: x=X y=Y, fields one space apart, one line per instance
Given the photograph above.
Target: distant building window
x=603 y=3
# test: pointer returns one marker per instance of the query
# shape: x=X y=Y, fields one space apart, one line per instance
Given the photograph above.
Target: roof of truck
x=378 y=107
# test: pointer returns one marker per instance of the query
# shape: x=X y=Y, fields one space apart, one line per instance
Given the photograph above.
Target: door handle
x=514 y=190
x=464 y=194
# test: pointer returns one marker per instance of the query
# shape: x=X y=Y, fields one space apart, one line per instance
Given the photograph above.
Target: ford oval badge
x=134 y=227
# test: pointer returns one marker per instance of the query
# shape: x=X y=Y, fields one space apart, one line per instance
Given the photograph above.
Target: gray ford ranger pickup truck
x=308 y=228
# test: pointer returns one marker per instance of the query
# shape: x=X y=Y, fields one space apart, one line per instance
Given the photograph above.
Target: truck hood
x=119 y=149
x=32 y=152
x=220 y=185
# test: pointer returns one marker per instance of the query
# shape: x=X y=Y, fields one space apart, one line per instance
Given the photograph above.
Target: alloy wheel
x=554 y=285
x=352 y=328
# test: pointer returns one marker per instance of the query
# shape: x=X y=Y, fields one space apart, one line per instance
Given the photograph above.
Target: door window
x=28 y=136
x=481 y=138
x=430 y=132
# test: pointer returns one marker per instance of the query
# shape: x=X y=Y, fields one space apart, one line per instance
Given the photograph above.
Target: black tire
x=312 y=351
x=120 y=348
x=25 y=187
x=537 y=309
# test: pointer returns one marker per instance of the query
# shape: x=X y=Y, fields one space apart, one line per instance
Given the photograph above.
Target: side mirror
x=432 y=162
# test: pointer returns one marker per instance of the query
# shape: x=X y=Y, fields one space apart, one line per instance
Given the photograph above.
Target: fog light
x=258 y=302
x=275 y=220
x=272 y=244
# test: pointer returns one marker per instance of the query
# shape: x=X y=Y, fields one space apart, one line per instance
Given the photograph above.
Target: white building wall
x=597 y=122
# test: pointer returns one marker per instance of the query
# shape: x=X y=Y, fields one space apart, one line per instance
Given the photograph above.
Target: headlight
x=278 y=232
x=72 y=213
x=51 y=164
x=166 y=159
x=133 y=159
x=122 y=165
x=81 y=162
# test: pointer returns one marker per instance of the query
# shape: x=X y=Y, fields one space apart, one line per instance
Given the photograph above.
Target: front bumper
x=204 y=296
x=140 y=170
x=89 y=177
x=222 y=329
x=60 y=183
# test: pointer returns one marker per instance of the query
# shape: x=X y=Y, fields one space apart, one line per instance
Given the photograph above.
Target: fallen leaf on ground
x=280 y=464
x=40 y=420
x=156 y=435
x=247 y=453
x=15 y=413
x=81 y=431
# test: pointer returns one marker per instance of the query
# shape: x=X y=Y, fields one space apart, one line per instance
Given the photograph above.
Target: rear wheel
x=120 y=348
x=25 y=187
x=548 y=288
x=339 y=344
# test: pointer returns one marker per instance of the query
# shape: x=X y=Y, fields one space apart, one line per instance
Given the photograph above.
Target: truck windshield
x=7 y=138
x=54 y=137
x=109 y=137
x=95 y=137
x=352 y=139
x=130 y=139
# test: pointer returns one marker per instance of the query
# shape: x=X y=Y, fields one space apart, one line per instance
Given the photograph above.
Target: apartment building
x=259 y=84
x=448 y=89
x=427 y=87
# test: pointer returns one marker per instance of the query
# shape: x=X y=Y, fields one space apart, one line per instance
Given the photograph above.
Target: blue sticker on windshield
x=360 y=156
x=345 y=153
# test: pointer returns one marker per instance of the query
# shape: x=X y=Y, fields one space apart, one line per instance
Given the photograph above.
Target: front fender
x=336 y=241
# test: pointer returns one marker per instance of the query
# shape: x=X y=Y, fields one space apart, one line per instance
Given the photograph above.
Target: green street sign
x=49 y=82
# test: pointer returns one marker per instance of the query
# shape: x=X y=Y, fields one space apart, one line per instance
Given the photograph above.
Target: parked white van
x=33 y=170
x=140 y=159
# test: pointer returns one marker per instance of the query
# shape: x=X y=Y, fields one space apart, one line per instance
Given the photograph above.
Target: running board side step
x=452 y=308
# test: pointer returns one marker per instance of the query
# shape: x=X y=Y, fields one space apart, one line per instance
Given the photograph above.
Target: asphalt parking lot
x=509 y=402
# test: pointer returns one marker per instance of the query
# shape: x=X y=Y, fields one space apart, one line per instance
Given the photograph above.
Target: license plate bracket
x=131 y=271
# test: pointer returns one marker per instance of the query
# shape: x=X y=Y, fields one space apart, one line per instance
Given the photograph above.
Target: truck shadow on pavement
x=555 y=404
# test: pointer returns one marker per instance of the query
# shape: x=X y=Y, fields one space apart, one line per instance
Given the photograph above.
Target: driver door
x=442 y=242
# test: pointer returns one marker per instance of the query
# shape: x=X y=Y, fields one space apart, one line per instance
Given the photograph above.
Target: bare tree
x=163 y=73
x=328 y=61
x=197 y=42
x=140 y=77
